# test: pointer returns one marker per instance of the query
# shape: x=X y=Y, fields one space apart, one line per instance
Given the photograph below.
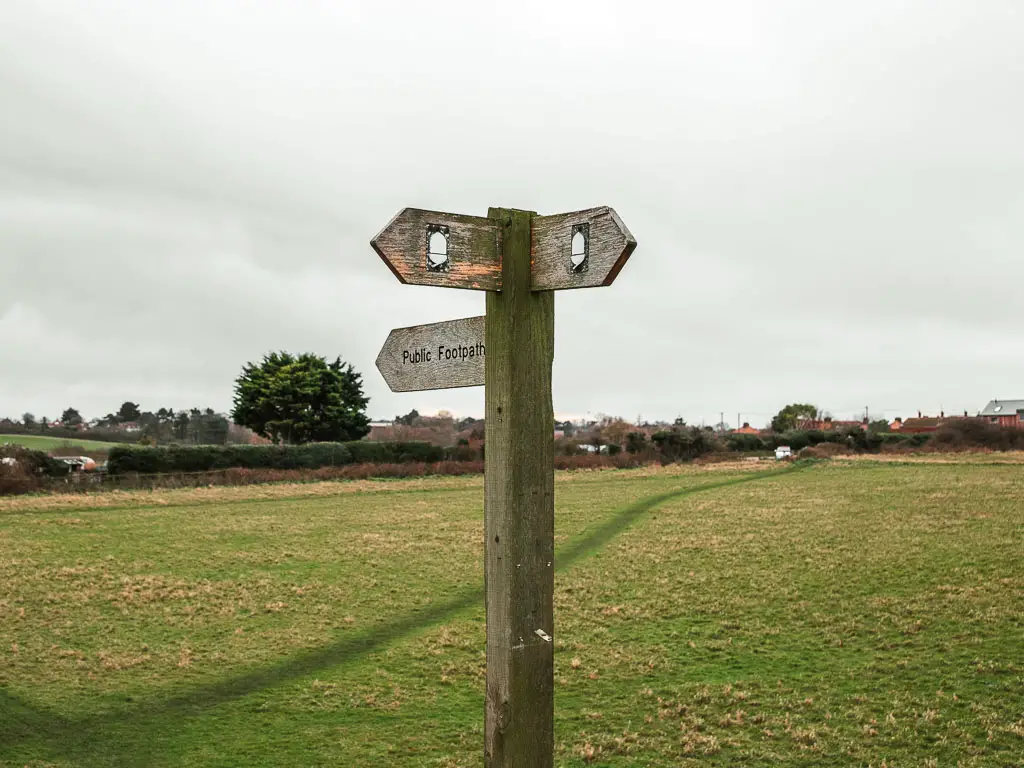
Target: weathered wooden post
x=519 y=509
x=519 y=258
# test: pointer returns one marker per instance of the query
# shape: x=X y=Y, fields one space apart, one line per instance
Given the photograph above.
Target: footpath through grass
x=839 y=615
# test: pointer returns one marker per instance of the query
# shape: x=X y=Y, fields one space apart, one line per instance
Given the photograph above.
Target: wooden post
x=519 y=259
x=519 y=509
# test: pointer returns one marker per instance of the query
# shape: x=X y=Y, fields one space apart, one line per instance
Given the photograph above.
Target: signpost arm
x=519 y=508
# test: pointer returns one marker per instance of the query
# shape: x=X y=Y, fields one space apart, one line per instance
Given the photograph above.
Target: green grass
x=845 y=614
x=42 y=443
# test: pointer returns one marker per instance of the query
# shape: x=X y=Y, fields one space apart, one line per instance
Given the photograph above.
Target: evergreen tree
x=301 y=399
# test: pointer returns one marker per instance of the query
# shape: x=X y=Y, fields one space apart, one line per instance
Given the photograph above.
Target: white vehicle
x=783 y=452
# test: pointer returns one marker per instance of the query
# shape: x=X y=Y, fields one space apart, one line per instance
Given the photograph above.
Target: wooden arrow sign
x=435 y=356
x=583 y=249
x=442 y=249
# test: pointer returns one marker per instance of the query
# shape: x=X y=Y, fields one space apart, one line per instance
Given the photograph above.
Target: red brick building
x=919 y=425
x=1005 y=413
x=924 y=424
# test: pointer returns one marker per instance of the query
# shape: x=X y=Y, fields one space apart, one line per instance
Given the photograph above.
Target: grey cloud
x=827 y=196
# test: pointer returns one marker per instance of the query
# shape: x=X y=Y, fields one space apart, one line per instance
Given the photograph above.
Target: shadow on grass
x=103 y=734
x=20 y=721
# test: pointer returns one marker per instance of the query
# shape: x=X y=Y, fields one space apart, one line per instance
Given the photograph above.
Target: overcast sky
x=828 y=196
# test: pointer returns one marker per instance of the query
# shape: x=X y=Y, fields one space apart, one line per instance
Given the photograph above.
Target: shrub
x=823 y=451
x=898 y=439
x=24 y=470
x=794 y=438
x=15 y=479
x=250 y=476
x=462 y=452
x=567 y=447
x=203 y=458
x=597 y=461
x=684 y=443
x=851 y=437
x=636 y=442
x=372 y=452
x=894 y=442
x=744 y=443
x=33 y=462
x=977 y=433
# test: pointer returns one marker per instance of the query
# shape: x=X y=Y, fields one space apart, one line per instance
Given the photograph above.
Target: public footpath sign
x=519 y=259
x=435 y=356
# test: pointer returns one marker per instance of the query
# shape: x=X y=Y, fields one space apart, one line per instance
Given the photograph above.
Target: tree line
x=285 y=398
x=195 y=425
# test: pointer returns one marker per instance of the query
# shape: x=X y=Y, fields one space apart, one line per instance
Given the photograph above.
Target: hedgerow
x=203 y=458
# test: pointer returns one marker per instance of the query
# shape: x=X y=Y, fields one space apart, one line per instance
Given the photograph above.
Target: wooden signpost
x=519 y=258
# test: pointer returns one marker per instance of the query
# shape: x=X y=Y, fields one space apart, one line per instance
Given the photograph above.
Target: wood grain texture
x=435 y=356
x=519 y=511
x=474 y=249
x=610 y=244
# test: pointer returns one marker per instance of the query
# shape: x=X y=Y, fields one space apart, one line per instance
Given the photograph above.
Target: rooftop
x=1003 y=407
x=922 y=422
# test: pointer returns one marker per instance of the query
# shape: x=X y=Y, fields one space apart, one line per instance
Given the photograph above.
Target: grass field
x=843 y=614
x=41 y=443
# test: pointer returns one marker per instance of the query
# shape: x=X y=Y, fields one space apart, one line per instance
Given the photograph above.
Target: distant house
x=924 y=424
x=746 y=429
x=921 y=425
x=1005 y=413
x=129 y=426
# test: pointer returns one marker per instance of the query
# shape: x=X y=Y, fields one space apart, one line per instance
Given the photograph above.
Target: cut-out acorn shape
x=437 y=248
x=579 y=247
